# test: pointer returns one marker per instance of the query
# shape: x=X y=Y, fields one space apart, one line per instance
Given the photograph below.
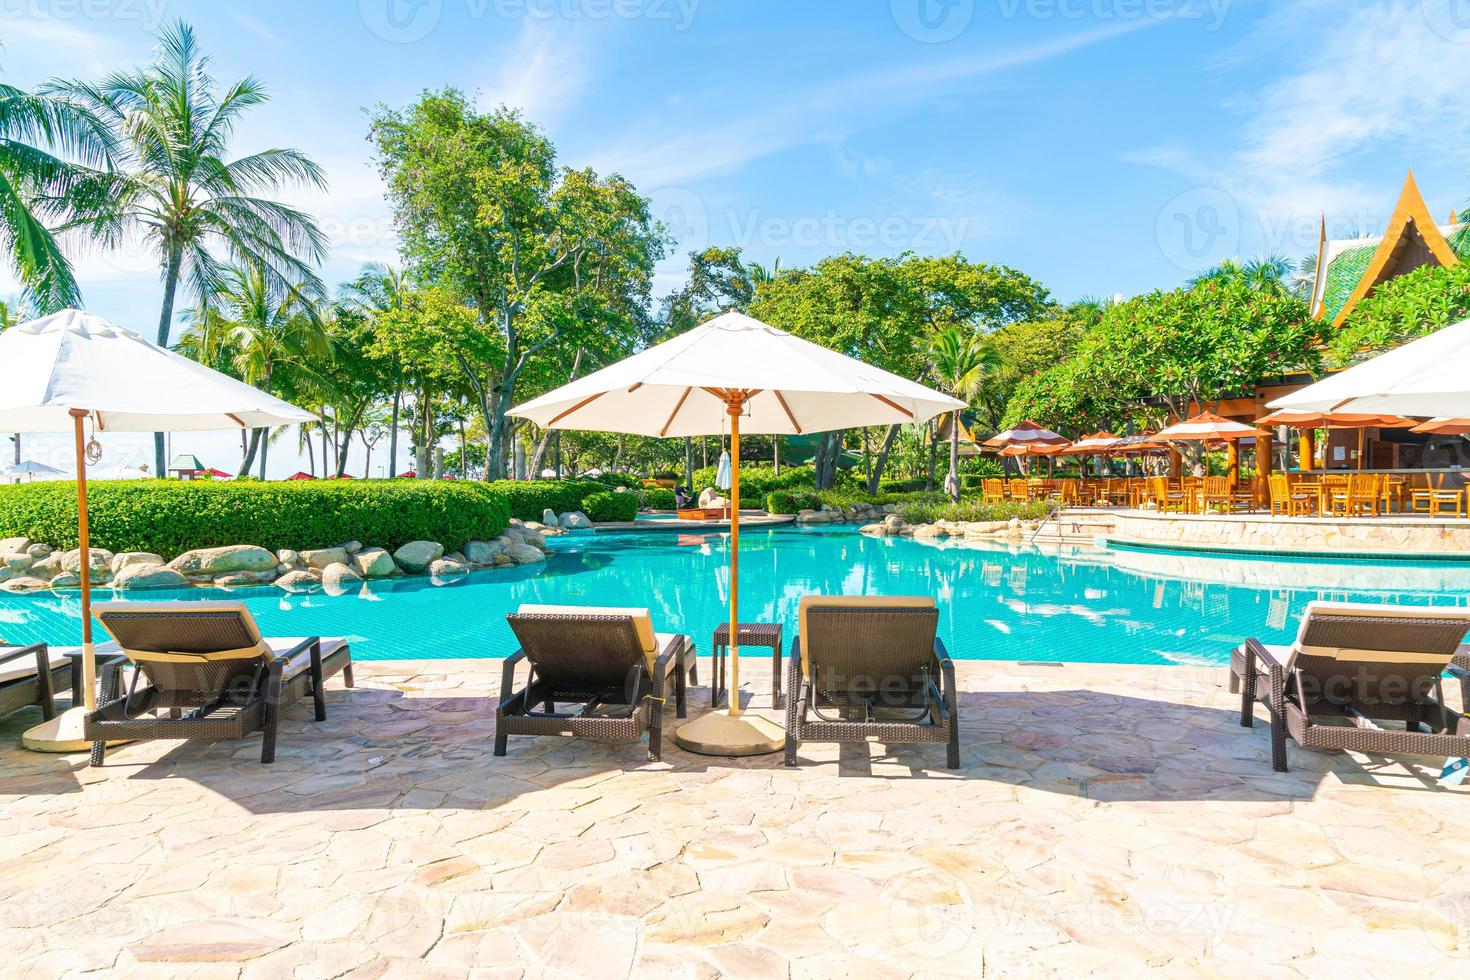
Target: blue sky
x=1103 y=146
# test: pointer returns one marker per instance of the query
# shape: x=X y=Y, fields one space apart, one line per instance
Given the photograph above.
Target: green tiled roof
x=1343 y=275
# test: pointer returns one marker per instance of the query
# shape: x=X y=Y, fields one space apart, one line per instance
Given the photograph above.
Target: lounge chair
x=1355 y=666
x=874 y=667
x=31 y=675
x=202 y=670
x=606 y=662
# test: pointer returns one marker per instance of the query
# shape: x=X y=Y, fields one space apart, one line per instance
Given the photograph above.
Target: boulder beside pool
x=209 y=562
x=144 y=575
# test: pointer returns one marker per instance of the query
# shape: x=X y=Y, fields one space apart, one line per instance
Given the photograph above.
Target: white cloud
x=542 y=75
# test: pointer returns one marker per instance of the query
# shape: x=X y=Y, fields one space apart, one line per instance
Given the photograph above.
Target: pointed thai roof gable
x=1348 y=271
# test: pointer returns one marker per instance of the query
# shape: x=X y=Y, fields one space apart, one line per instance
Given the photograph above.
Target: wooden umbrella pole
x=733 y=408
x=89 y=660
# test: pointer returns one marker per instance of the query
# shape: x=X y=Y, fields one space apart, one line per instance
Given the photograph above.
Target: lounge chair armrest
x=34 y=650
x=1256 y=649
x=941 y=652
x=300 y=648
x=508 y=674
x=1455 y=670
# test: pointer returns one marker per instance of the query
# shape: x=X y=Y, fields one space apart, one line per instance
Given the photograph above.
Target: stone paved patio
x=1107 y=818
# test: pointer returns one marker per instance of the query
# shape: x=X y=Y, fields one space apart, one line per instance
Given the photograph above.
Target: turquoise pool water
x=1112 y=606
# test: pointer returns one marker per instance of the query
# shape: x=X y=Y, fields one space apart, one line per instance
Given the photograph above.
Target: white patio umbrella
x=738 y=371
x=31 y=468
x=1427 y=378
x=71 y=370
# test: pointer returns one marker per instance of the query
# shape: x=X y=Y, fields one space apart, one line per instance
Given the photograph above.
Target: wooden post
x=1265 y=463
x=733 y=408
x=1232 y=461
x=1306 y=449
x=1176 y=463
x=84 y=551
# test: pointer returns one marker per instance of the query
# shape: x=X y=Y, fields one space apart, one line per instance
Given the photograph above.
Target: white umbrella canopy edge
x=1426 y=377
x=73 y=367
x=675 y=388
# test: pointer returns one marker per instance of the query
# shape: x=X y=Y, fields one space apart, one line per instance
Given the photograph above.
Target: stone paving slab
x=1107 y=819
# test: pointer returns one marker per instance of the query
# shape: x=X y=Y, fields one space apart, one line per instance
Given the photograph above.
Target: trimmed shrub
x=631 y=481
x=791 y=502
x=529 y=498
x=929 y=511
x=169 y=517
x=902 y=486
x=656 y=498
x=757 y=481
x=610 y=506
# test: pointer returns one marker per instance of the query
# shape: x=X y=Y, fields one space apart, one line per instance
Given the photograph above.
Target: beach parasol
x=1208 y=427
x=737 y=372
x=72 y=371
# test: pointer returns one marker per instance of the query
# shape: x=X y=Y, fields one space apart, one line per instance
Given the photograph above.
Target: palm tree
x=379 y=290
x=959 y=361
x=278 y=335
x=176 y=186
x=35 y=183
x=1275 y=274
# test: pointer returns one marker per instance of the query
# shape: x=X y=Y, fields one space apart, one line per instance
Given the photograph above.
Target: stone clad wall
x=1408 y=536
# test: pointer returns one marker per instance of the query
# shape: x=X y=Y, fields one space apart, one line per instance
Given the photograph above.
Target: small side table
x=751 y=635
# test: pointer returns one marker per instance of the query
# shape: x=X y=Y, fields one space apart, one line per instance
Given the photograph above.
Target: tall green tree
x=960 y=361
x=544 y=256
x=47 y=147
x=379 y=291
x=176 y=185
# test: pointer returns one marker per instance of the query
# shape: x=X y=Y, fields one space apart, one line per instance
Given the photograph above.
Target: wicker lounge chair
x=202 y=670
x=870 y=667
x=31 y=675
x=1353 y=666
x=606 y=662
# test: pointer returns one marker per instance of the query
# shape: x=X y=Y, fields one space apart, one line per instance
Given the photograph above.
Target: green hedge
x=169 y=517
x=656 y=498
x=529 y=498
x=757 y=481
x=610 y=506
x=791 y=501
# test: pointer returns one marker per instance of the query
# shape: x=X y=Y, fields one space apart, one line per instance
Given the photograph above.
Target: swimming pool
x=1118 y=605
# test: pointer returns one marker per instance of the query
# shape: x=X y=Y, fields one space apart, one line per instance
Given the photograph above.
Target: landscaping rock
x=124 y=559
x=930 y=531
x=148 y=576
x=417 y=556
x=894 y=522
x=46 y=566
x=575 y=520
x=534 y=538
x=18 y=562
x=352 y=547
x=288 y=557
x=209 y=562
x=525 y=554
x=337 y=578
x=299 y=581
x=373 y=563
x=244 y=578
x=446 y=568
x=482 y=552
x=39 y=550
x=879 y=529
x=6 y=573
x=8 y=545
x=66 y=580
x=320 y=558
x=24 y=583
x=97 y=558
x=549 y=518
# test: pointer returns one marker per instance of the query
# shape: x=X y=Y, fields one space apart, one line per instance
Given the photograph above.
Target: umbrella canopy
x=1026 y=433
x=300 y=475
x=217 y=474
x=29 y=467
x=1425 y=378
x=1035 y=450
x=735 y=372
x=1444 y=427
x=72 y=367
x=1098 y=443
x=1207 y=427
x=74 y=360
x=788 y=386
x=1299 y=419
x=121 y=471
x=1141 y=443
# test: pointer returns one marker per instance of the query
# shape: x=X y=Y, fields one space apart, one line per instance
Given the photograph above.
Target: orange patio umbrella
x=1208 y=427
x=1096 y=444
x=1027 y=433
x=1303 y=419
x=1444 y=426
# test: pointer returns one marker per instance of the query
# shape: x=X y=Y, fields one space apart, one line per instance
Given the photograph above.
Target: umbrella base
x=61 y=734
x=719 y=733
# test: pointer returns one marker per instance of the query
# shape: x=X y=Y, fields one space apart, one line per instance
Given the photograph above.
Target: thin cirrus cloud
x=825 y=113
